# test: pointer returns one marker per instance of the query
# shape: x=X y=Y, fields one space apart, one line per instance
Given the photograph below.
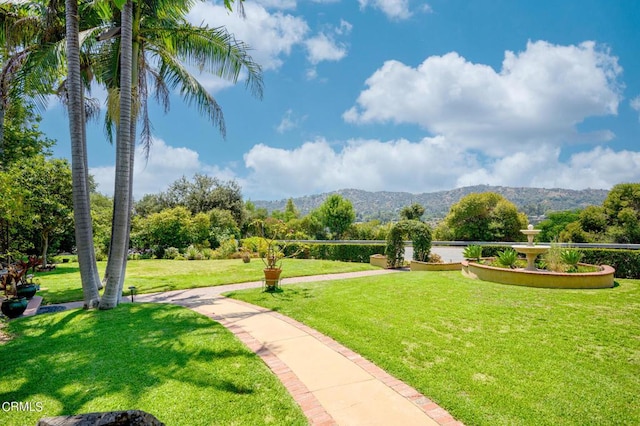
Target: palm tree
x=79 y=168
x=163 y=44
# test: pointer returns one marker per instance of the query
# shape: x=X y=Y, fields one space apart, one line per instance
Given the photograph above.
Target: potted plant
x=16 y=288
x=273 y=262
x=273 y=251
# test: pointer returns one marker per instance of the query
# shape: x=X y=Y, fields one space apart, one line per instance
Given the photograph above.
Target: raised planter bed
x=379 y=260
x=604 y=278
x=416 y=265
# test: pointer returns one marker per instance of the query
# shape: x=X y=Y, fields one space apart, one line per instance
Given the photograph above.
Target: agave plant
x=571 y=257
x=472 y=251
x=508 y=258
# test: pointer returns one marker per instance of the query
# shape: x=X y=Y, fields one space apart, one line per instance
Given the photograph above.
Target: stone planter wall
x=379 y=260
x=416 y=265
x=544 y=279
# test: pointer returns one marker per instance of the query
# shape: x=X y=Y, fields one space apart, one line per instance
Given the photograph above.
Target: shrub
x=552 y=260
x=226 y=250
x=100 y=255
x=192 y=253
x=171 y=253
x=508 y=258
x=435 y=258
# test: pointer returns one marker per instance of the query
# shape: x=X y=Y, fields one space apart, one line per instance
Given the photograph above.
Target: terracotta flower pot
x=271 y=278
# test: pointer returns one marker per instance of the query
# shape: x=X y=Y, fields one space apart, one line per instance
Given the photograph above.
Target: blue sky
x=403 y=95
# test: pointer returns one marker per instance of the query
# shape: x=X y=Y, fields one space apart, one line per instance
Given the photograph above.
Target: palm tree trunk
x=122 y=191
x=79 y=170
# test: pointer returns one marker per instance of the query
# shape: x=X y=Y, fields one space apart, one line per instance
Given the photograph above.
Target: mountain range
x=386 y=206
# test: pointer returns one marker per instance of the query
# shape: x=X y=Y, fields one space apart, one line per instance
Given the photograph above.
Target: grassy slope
x=490 y=354
x=148 y=276
x=171 y=362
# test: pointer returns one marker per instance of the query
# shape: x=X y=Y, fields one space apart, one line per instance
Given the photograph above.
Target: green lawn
x=491 y=354
x=148 y=276
x=180 y=366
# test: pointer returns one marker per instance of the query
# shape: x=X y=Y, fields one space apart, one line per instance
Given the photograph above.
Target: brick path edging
x=311 y=407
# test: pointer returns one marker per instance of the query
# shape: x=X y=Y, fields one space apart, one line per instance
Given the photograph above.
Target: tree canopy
x=485 y=217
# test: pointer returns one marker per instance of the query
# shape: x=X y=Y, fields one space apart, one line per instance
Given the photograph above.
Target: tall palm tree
x=118 y=249
x=79 y=167
x=163 y=45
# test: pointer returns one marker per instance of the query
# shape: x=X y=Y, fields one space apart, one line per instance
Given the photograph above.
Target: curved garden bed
x=599 y=279
x=416 y=265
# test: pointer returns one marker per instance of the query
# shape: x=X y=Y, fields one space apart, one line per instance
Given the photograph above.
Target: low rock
x=110 y=418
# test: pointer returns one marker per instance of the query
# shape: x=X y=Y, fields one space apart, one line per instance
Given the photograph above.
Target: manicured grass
x=180 y=366
x=149 y=276
x=491 y=354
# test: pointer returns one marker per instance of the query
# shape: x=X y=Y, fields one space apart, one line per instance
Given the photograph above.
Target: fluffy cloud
x=165 y=165
x=394 y=9
x=539 y=96
x=432 y=164
x=635 y=104
x=323 y=47
x=270 y=35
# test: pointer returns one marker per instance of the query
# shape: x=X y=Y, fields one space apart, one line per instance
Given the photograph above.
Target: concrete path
x=332 y=384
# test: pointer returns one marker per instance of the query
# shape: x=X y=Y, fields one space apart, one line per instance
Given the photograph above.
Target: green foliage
x=472 y=251
x=339 y=252
x=507 y=258
x=571 y=257
x=226 y=250
x=412 y=212
x=22 y=137
x=44 y=208
x=555 y=223
x=337 y=214
x=171 y=253
x=625 y=262
x=418 y=232
x=485 y=217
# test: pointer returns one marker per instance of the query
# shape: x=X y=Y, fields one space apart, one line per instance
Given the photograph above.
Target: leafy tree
x=485 y=217
x=412 y=212
x=312 y=225
x=337 y=214
x=290 y=211
x=622 y=207
x=101 y=213
x=203 y=194
x=169 y=228
x=46 y=186
x=555 y=223
x=593 y=220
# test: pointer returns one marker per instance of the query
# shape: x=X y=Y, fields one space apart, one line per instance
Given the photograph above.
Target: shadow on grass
x=76 y=356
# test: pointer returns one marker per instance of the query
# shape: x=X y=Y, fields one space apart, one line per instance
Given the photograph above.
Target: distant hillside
x=387 y=205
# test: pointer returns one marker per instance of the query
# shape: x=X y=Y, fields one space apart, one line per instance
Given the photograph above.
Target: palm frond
x=177 y=76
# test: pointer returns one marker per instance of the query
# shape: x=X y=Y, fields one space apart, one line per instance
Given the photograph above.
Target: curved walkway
x=332 y=384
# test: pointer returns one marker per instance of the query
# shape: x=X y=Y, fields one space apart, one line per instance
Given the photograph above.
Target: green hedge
x=340 y=252
x=625 y=262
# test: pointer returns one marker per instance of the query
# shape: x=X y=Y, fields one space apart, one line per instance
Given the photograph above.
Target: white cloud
x=288 y=122
x=394 y=9
x=635 y=104
x=324 y=48
x=165 y=165
x=270 y=35
x=539 y=96
x=432 y=164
